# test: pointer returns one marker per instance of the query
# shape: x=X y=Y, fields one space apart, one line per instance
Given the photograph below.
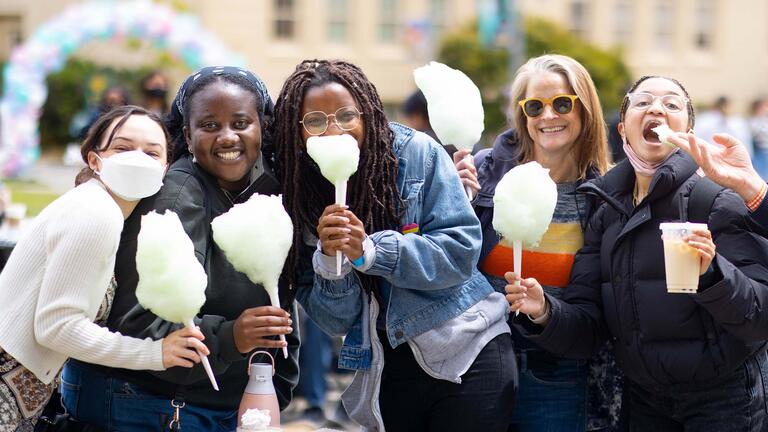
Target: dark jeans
x=735 y=402
x=553 y=393
x=411 y=400
x=314 y=363
x=118 y=405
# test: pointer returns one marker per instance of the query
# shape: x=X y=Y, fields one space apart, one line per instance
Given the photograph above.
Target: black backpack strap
x=701 y=199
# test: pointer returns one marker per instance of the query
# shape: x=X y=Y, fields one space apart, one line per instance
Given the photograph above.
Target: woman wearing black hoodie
x=692 y=361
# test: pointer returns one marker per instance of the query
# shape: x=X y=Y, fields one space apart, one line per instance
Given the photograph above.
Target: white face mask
x=131 y=175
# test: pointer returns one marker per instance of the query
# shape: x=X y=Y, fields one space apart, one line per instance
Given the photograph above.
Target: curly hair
x=374 y=196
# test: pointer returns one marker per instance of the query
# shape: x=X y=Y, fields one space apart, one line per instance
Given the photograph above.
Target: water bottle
x=260 y=392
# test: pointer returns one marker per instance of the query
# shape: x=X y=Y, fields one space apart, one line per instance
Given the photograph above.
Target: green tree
x=488 y=67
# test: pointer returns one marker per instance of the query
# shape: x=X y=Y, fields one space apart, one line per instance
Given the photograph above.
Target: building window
x=438 y=17
x=704 y=24
x=285 y=21
x=388 y=22
x=623 y=22
x=338 y=21
x=664 y=25
x=579 y=18
x=10 y=35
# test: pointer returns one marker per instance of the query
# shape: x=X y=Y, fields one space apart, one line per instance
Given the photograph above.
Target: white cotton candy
x=336 y=155
x=453 y=102
x=664 y=132
x=523 y=204
x=171 y=280
x=255 y=420
x=256 y=236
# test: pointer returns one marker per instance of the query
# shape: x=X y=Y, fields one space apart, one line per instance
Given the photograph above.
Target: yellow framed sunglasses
x=562 y=104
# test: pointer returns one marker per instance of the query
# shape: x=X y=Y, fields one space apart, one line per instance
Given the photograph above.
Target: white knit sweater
x=54 y=282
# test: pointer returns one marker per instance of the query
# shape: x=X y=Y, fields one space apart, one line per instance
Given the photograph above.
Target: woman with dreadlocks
x=424 y=330
x=218 y=123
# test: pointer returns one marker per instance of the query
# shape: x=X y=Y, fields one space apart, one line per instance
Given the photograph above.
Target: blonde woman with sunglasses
x=557 y=121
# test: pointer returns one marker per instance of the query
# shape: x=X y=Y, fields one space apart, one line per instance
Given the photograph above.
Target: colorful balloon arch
x=48 y=48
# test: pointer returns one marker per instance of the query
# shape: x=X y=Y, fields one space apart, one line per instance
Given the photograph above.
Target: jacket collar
x=616 y=186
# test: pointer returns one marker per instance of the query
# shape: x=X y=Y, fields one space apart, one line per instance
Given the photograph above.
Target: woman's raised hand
x=465 y=167
x=179 y=347
x=525 y=295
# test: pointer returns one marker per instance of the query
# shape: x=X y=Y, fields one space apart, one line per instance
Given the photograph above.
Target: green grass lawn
x=33 y=194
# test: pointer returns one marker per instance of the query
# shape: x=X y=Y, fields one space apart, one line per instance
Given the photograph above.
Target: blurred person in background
x=112 y=96
x=154 y=92
x=758 y=126
x=416 y=116
x=720 y=119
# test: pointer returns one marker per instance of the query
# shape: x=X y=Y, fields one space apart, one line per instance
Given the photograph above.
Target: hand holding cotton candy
x=454 y=105
x=523 y=205
x=256 y=237
x=338 y=157
x=172 y=281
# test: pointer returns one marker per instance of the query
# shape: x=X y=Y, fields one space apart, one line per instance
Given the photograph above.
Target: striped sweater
x=550 y=262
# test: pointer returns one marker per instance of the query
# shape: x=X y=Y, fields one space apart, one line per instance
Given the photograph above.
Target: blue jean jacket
x=430 y=275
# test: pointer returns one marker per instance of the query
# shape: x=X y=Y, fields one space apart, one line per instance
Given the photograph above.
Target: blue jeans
x=760 y=161
x=117 y=405
x=735 y=402
x=552 y=396
x=314 y=362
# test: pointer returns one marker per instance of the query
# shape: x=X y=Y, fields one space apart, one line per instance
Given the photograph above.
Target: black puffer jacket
x=196 y=198
x=618 y=289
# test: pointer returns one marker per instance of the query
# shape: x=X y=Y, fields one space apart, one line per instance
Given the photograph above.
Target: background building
x=713 y=46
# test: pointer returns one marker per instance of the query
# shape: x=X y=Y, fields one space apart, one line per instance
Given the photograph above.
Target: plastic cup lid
x=674 y=226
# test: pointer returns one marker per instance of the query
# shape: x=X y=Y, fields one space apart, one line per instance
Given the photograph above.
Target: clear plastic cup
x=681 y=261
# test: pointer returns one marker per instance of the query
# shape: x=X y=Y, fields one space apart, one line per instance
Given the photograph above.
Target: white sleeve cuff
x=369 y=255
x=325 y=265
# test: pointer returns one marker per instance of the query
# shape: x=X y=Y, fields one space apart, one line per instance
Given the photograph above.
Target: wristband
x=359 y=261
x=755 y=202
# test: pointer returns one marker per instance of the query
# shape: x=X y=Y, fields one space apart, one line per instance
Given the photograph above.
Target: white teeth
x=229 y=155
x=552 y=129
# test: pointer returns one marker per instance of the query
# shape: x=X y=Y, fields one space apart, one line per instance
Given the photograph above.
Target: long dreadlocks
x=374 y=197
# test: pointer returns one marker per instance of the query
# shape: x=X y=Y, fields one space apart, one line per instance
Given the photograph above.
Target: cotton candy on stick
x=337 y=156
x=171 y=280
x=523 y=205
x=256 y=237
x=454 y=105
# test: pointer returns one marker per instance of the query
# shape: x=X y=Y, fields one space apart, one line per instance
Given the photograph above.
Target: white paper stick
x=517 y=264
x=206 y=364
x=341 y=198
x=467 y=189
x=275 y=300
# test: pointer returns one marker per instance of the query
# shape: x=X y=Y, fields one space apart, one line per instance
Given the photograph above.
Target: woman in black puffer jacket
x=692 y=361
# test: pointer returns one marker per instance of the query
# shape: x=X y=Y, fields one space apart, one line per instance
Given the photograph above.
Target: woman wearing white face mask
x=55 y=284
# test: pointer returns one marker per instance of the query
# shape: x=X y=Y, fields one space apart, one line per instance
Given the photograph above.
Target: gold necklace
x=635 y=195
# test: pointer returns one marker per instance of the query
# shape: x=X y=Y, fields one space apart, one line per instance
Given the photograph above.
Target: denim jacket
x=430 y=274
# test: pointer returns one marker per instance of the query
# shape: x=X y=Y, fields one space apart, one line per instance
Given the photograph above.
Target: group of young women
x=425 y=292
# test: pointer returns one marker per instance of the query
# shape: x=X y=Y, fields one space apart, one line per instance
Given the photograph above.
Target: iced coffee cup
x=681 y=261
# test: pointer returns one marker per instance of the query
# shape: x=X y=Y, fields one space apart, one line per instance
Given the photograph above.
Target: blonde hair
x=592 y=143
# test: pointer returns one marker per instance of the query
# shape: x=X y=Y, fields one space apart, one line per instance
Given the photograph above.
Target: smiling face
x=224 y=133
x=328 y=98
x=636 y=129
x=552 y=132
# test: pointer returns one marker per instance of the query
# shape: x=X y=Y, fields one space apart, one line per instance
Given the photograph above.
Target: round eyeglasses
x=671 y=103
x=317 y=122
